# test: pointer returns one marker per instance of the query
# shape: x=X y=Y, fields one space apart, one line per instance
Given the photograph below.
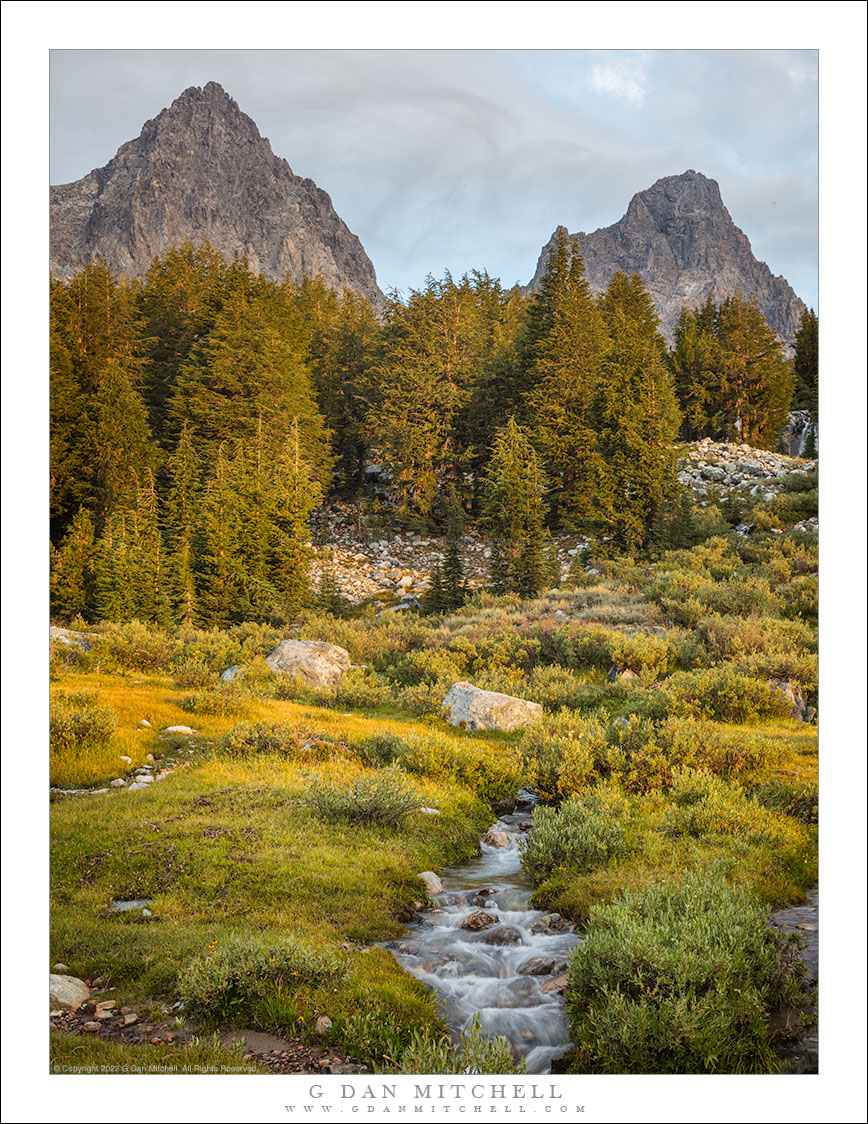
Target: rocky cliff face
x=201 y=170
x=679 y=237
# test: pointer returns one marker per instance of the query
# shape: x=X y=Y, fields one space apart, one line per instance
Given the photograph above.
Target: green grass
x=287 y=821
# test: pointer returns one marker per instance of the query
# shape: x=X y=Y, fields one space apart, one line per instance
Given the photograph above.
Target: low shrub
x=249 y=739
x=584 y=833
x=383 y=797
x=134 y=646
x=725 y=695
x=680 y=979
x=230 y=982
x=77 y=722
x=706 y=806
x=378 y=1039
x=221 y=701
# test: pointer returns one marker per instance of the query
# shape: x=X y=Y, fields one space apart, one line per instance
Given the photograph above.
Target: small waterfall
x=507 y=971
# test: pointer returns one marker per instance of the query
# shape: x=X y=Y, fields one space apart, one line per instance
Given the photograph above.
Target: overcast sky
x=469 y=159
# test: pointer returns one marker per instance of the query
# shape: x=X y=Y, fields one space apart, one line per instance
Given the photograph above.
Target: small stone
x=55 y=1014
x=322 y=1025
x=808 y=928
x=478 y=920
x=68 y=992
x=495 y=838
x=150 y=758
x=179 y=730
x=118 y=782
x=557 y=985
x=144 y=722
x=156 y=1041
x=91 y=1028
x=126 y=760
x=430 y=811
x=433 y=885
x=61 y=969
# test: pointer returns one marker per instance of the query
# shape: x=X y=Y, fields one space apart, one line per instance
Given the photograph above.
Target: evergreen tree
x=182 y=502
x=513 y=509
x=72 y=572
x=296 y=494
x=453 y=579
x=122 y=449
x=566 y=362
x=550 y=563
x=806 y=364
x=220 y=577
x=758 y=380
x=113 y=570
x=429 y=357
x=435 y=598
x=149 y=598
x=181 y=298
x=698 y=368
x=635 y=414
x=247 y=381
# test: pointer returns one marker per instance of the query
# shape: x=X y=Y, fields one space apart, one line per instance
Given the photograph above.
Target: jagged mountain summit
x=201 y=170
x=679 y=237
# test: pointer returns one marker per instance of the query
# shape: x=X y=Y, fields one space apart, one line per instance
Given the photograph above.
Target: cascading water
x=509 y=968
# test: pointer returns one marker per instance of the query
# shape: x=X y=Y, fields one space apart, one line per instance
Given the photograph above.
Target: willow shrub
x=382 y=797
x=231 y=982
x=680 y=979
x=586 y=832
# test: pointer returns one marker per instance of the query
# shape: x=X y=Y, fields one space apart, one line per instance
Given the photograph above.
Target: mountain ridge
x=201 y=170
x=681 y=240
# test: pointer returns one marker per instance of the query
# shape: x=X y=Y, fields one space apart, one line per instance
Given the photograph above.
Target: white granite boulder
x=475 y=709
x=314 y=661
x=67 y=992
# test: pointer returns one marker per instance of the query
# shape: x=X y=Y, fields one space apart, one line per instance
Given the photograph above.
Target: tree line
x=198 y=417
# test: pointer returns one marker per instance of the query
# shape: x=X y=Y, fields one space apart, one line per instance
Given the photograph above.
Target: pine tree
x=806 y=365
x=758 y=380
x=219 y=566
x=182 y=500
x=513 y=509
x=247 y=381
x=296 y=494
x=72 y=572
x=454 y=583
x=113 y=570
x=635 y=414
x=564 y=370
x=435 y=598
x=431 y=352
x=149 y=597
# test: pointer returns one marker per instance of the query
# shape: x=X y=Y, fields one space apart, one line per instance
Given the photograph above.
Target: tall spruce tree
x=758 y=380
x=565 y=364
x=453 y=577
x=806 y=364
x=635 y=414
x=72 y=571
x=513 y=510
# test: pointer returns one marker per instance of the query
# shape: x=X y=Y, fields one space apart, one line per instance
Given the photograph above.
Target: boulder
x=502 y=935
x=433 y=885
x=478 y=920
x=616 y=675
x=495 y=838
x=67 y=992
x=314 y=661
x=792 y=692
x=68 y=636
x=468 y=706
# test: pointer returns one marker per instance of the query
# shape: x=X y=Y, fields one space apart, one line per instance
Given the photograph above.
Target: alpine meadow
x=434 y=674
